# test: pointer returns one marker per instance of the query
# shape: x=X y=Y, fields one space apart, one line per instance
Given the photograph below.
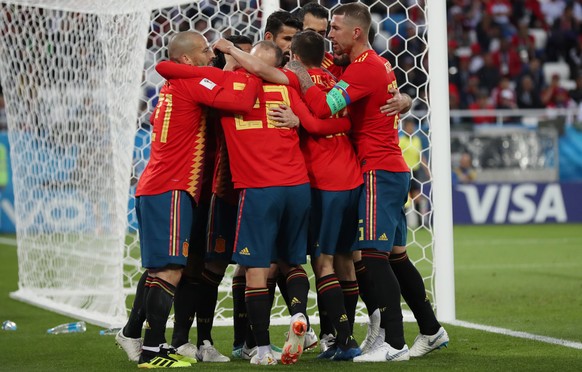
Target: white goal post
x=79 y=81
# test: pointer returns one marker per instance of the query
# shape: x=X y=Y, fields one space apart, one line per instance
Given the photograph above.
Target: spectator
x=470 y=93
x=534 y=14
x=500 y=11
x=507 y=59
x=465 y=172
x=489 y=74
x=550 y=93
x=523 y=43
x=535 y=72
x=528 y=95
x=563 y=36
x=503 y=92
x=482 y=103
x=561 y=100
x=459 y=78
x=486 y=31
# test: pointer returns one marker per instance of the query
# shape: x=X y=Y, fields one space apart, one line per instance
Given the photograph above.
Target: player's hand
x=223 y=45
x=283 y=117
x=398 y=104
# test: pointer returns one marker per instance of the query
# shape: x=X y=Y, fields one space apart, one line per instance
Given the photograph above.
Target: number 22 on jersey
x=274 y=95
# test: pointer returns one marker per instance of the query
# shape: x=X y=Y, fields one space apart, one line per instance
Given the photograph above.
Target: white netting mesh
x=71 y=81
x=69 y=78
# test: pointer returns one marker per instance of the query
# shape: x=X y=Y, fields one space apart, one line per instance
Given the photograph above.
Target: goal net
x=80 y=84
x=71 y=75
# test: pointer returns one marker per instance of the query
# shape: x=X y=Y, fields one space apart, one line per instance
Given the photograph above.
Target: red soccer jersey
x=178 y=137
x=364 y=89
x=331 y=161
x=260 y=154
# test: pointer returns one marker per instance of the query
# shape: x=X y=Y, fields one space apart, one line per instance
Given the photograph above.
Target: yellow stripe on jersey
x=175 y=224
x=198 y=155
x=371 y=207
x=326 y=62
x=238 y=86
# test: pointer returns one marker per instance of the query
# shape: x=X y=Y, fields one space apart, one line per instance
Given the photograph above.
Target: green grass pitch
x=522 y=278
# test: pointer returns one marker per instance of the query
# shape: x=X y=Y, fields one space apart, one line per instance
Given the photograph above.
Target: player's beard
x=341 y=60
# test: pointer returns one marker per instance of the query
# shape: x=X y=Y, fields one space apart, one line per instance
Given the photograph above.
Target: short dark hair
x=309 y=46
x=239 y=39
x=315 y=9
x=357 y=12
x=281 y=18
x=219 y=60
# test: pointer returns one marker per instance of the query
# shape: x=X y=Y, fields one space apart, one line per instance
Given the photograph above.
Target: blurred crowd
x=524 y=54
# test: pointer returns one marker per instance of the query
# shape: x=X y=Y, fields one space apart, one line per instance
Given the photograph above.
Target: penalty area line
x=509 y=332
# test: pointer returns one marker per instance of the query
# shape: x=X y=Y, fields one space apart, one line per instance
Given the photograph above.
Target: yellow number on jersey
x=242 y=124
x=167 y=100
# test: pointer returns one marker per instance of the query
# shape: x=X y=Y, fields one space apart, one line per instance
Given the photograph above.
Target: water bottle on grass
x=76 y=327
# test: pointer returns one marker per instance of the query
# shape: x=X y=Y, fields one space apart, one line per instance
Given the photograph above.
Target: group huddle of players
x=279 y=153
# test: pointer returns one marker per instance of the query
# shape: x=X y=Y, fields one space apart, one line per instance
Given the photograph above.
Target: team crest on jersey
x=208 y=84
x=220 y=245
x=185 y=247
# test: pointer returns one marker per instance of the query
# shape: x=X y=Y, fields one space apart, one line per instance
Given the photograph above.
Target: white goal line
x=518 y=334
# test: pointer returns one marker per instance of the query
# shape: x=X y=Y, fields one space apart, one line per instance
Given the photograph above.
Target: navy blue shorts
x=165 y=228
x=382 y=222
x=272 y=224
x=334 y=221
x=221 y=230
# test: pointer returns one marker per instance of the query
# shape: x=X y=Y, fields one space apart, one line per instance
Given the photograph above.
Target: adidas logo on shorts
x=245 y=251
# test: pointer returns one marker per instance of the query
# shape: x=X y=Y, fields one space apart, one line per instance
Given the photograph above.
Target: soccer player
x=280 y=28
x=386 y=176
x=209 y=257
x=315 y=17
x=168 y=193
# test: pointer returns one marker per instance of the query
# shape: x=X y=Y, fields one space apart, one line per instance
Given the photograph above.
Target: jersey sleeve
x=293 y=80
x=355 y=84
x=172 y=70
x=314 y=125
x=237 y=94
